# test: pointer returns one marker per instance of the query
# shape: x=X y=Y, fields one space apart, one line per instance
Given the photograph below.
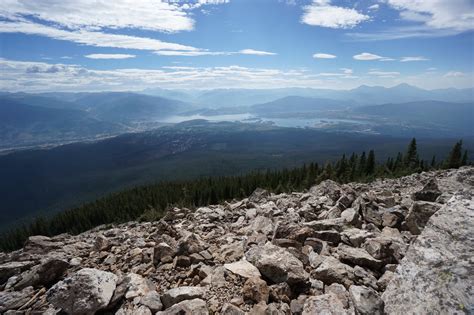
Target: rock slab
x=437 y=272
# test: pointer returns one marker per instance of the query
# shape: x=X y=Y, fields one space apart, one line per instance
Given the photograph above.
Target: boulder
x=355 y=237
x=350 y=216
x=437 y=272
x=331 y=270
x=358 y=256
x=280 y=292
x=137 y=286
x=41 y=244
x=84 y=292
x=179 y=294
x=152 y=300
x=430 y=192
x=419 y=214
x=14 y=267
x=366 y=300
x=277 y=264
x=190 y=244
x=255 y=290
x=12 y=300
x=187 y=307
x=258 y=195
x=325 y=304
x=243 y=268
x=44 y=274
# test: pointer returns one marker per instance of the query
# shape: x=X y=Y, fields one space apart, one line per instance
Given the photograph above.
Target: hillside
x=23 y=125
x=69 y=175
x=345 y=249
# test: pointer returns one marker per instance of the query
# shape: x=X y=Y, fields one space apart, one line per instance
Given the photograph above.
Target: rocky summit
x=395 y=246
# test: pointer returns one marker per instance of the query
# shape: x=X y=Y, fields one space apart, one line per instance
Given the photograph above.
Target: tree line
x=150 y=202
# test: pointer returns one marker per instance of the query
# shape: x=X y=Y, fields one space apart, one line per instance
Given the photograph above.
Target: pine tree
x=411 y=158
x=370 y=167
x=362 y=164
x=454 y=159
x=433 y=161
x=464 y=158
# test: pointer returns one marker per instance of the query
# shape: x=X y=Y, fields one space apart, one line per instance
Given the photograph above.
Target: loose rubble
x=391 y=246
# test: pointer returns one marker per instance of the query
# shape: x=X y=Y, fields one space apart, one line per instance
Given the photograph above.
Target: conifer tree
x=411 y=158
x=370 y=167
x=464 y=158
x=454 y=159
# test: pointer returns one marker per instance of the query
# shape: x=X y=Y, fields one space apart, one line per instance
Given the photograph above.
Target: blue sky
x=86 y=45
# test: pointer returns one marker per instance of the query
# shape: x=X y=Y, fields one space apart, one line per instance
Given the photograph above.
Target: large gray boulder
x=243 y=268
x=44 y=274
x=419 y=214
x=85 y=292
x=437 y=273
x=180 y=294
x=358 y=256
x=331 y=270
x=277 y=264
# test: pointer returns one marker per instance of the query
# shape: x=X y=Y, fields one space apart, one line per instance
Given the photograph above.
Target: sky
x=99 y=45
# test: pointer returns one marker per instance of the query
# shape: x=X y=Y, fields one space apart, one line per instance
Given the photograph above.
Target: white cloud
x=165 y=16
x=213 y=53
x=256 y=52
x=109 y=56
x=438 y=14
x=384 y=73
x=427 y=19
x=417 y=58
x=323 y=56
x=374 y=7
x=347 y=71
x=454 y=74
x=98 y=39
x=368 y=56
x=322 y=13
x=190 y=53
x=42 y=76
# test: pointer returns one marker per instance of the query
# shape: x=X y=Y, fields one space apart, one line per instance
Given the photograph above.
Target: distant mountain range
x=57 y=118
x=363 y=95
x=31 y=119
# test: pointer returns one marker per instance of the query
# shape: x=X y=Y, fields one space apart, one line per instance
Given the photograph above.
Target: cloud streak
x=109 y=56
x=323 y=56
x=42 y=76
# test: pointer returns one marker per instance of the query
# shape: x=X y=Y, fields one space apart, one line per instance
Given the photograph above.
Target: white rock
x=84 y=292
x=243 y=268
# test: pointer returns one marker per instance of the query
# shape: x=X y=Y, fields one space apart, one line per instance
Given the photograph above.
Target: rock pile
x=395 y=246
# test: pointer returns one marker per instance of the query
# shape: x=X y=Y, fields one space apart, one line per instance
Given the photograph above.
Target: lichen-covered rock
x=277 y=264
x=419 y=214
x=437 y=272
x=85 y=292
x=366 y=300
